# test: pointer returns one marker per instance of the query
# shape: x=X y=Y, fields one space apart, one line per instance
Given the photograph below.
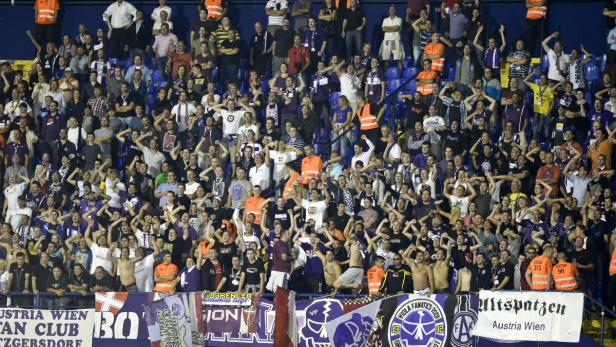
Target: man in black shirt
x=397 y=278
x=503 y=273
x=582 y=258
x=101 y=281
x=260 y=49
x=41 y=273
x=57 y=285
x=252 y=278
x=352 y=26
x=480 y=274
x=19 y=280
x=125 y=104
x=78 y=282
x=283 y=41
x=232 y=274
x=229 y=58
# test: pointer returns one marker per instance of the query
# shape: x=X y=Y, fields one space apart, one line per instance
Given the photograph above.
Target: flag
x=353 y=329
x=168 y=322
x=110 y=301
x=285 y=321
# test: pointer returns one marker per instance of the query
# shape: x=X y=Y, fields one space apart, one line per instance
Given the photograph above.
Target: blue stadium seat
x=157 y=76
x=127 y=63
x=333 y=98
x=392 y=73
x=410 y=88
x=591 y=73
x=408 y=62
x=409 y=72
x=392 y=85
x=545 y=63
x=451 y=74
x=114 y=62
x=603 y=62
x=215 y=73
x=265 y=87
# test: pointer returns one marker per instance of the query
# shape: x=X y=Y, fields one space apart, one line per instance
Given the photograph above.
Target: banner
x=119 y=317
x=168 y=322
x=227 y=299
x=49 y=328
x=530 y=316
x=231 y=318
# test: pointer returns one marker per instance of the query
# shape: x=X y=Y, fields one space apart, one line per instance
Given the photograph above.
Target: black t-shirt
x=341 y=221
x=233 y=278
x=19 y=276
x=398 y=242
x=225 y=253
x=218 y=215
x=253 y=272
x=284 y=41
x=354 y=18
x=58 y=283
x=105 y=282
x=501 y=272
x=124 y=101
x=282 y=215
x=230 y=59
x=43 y=274
x=480 y=278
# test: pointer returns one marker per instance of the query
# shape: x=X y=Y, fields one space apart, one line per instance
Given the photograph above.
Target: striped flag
x=285 y=321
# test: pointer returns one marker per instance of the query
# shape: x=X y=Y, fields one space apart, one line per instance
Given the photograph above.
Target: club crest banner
x=530 y=316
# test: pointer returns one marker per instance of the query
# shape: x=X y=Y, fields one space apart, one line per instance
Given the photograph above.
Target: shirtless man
x=126 y=269
x=465 y=277
x=354 y=275
x=423 y=278
x=331 y=268
x=441 y=269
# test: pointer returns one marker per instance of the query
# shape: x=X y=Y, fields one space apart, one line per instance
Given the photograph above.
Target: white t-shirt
x=349 y=86
x=462 y=203
x=154 y=160
x=231 y=121
x=181 y=112
x=260 y=176
x=280 y=159
x=276 y=5
x=144 y=274
x=315 y=210
x=99 y=258
x=191 y=188
x=553 y=72
x=11 y=193
x=392 y=22
x=115 y=200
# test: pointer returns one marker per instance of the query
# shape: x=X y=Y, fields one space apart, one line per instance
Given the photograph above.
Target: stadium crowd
x=136 y=158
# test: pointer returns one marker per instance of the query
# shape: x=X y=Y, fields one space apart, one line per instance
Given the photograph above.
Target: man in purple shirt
x=281 y=263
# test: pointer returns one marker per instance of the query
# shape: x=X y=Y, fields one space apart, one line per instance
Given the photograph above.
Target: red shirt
x=280 y=248
x=178 y=59
x=297 y=56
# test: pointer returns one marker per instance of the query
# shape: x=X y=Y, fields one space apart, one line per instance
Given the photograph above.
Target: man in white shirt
x=392 y=44
x=316 y=208
x=120 y=16
x=182 y=111
x=162 y=7
x=558 y=60
x=360 y=154
x=275 y=10
x=100 y=250
x=283 y=155
x=260 y=173
x=144 y=267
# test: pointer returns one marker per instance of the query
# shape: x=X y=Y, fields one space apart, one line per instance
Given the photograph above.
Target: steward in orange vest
x=368 y=117
x=564 y=274
x=536 y=9
x=612 y=270
x=216 y=9
x=539 y=272
x=375 y=276
x=311 y=165
x=45 y=19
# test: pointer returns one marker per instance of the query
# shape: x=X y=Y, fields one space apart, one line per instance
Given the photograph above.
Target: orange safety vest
x=564 y=276
x=289 y=185
x=540 y=269
x=253 y=205
x=436 y=48
x=536 y=12
x=348 y=3
x=165 y=270
x=613 y=263
x=375 y=277
x=214 y=8
x=367 y=121
x=46 y=11
x=311 y=168
x=426 y=89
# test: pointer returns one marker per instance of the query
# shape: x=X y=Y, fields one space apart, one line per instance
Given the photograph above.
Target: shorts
x=252 y=288
x=230 y=140
x=353 y=275
x=277 y=279
x=392 y=48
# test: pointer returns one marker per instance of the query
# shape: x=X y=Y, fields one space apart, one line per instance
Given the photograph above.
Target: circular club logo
x=462 y=329
x=418 y=323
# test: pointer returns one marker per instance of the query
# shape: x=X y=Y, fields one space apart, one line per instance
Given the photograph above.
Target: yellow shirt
x=543 y=99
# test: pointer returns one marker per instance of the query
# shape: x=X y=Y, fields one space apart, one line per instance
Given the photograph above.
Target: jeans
x=353 y=43
x=541 y=127
x=342 y=145
x=161 y=64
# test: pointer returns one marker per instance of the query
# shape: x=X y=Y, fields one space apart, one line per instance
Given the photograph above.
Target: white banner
x=530 y=316
x=49 y=328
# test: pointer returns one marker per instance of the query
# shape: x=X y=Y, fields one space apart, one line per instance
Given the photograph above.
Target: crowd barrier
x=235 y=321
